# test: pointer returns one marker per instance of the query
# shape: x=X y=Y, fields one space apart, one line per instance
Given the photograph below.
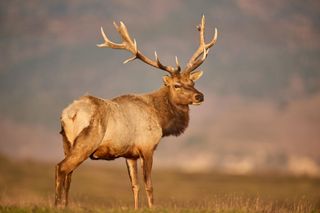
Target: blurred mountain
x=261 y=82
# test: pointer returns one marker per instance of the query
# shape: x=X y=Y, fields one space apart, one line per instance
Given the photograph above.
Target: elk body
x=129 y=126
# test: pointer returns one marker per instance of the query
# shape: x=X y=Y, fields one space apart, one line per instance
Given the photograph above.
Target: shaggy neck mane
x=174 y=119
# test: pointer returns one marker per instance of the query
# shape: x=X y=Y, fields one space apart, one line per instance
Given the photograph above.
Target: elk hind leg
x=64 y=171
x=67 y=180
x=67 y=183
x=133 y=175
x=60 y=179
x=63 y=181
x=83 y=147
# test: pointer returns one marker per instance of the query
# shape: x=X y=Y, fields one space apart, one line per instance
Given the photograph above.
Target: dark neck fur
x=174 y=119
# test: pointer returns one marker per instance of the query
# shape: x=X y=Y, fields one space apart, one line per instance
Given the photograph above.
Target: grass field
x=27 y=186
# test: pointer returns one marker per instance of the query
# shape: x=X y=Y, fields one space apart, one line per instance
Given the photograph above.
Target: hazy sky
x=261 y=80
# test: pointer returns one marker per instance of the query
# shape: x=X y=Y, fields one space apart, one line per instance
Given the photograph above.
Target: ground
x=28 y=186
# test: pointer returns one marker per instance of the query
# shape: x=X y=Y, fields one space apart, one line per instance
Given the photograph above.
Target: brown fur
x=161 y=110
x=173 y=119
x=129 y=126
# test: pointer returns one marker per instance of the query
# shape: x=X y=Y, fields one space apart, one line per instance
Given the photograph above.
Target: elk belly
x=76 y=117
x=107 y=151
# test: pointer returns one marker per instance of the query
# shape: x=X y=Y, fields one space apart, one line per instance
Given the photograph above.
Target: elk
x=129 y=126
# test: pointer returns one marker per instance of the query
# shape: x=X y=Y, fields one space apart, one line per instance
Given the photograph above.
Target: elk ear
x=167 y=80
x=195 y=75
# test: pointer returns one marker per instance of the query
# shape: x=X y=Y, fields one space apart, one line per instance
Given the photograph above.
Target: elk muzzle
x=198 y=98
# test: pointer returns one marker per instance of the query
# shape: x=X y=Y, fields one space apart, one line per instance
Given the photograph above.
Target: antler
x=203 y=49
x=131 y=46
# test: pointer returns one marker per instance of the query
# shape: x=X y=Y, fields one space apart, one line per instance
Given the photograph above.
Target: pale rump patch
x=76 y=117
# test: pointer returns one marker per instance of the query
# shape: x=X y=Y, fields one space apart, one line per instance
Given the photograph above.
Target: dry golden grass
x=29 y=187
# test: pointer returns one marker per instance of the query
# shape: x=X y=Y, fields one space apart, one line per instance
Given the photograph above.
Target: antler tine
x=108 y=43
x=135 y=56
x=178 y=65
x=203 y=48
x=169 y=69
x=161 y=66
x=131 y=46
x=202 y=28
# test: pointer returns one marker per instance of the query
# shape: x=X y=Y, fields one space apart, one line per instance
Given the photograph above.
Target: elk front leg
x=133 y=175
x=146 y=161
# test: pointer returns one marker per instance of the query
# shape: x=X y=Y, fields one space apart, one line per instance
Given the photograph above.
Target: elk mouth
x=197 y=103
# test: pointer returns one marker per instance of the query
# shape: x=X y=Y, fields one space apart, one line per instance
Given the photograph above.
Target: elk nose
x=199 y=97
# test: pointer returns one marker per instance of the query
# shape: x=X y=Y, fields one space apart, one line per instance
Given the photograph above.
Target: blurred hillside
x=261 y=82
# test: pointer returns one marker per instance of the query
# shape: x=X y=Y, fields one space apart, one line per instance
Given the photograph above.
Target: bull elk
x=129 y=126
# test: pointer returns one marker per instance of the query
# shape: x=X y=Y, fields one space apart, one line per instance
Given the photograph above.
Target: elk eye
x=177 y=86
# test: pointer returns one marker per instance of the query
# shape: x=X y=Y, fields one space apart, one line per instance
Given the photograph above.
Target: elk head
x=180 y=82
